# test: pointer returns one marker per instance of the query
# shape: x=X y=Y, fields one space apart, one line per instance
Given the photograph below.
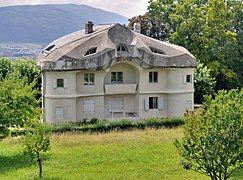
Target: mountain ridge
x=45 y=23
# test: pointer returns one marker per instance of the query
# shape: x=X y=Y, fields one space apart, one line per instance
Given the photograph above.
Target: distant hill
x=45 y=23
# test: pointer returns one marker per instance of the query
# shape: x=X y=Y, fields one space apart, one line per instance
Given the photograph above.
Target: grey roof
x=70 y=52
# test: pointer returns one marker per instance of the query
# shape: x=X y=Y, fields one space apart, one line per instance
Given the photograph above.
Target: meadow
x=138 y=154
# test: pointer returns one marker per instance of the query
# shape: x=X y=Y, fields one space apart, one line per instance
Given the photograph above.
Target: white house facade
x=112 y=72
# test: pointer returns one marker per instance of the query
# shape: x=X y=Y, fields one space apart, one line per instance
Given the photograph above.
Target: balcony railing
x=120 y=88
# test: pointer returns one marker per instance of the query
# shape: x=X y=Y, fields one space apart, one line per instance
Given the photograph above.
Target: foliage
x=203 y=82
x=213 y=136
x=210 y=29
x=18 y=103
x=120 y=125
x=35 y=142
x=24 y=67
x=19 y=93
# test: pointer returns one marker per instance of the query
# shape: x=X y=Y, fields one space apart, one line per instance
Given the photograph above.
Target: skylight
x=91 y=51
x=156 y=51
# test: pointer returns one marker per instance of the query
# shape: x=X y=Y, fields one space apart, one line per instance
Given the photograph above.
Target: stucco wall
x=98 y=108
x=178 y=103
x=152 y=112
x=69 y=106
x=130 y=73
x=90 y=89
x=51 y=76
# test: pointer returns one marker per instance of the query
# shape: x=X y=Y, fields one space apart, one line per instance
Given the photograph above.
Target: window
x=60 y=82
x=153 y=102
x=153 y=77
x=116 y=77
x=89 y=106
x=117 y=103
x=59 y=114
x=156 y=51
x=50 y=48
x=91 y=51
x=121 y=48
x=89 y=78
x=188 y=78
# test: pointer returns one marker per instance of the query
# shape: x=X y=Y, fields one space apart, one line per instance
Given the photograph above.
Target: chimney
x=137 y=27
x=89 y=27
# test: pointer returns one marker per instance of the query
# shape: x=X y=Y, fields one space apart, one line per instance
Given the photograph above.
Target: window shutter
x=184 y=79
x=54 y=83
x=65 y=83
x=160 y=103
x=146 y=104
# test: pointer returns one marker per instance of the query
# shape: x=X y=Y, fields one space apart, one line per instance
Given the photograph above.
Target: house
x=110 y=71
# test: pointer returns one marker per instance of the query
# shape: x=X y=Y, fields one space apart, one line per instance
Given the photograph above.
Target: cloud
x=127 y=8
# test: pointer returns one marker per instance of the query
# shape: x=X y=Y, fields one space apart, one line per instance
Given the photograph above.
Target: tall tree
x=210 y=29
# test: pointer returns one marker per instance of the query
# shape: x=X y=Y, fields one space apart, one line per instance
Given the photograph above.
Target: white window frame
x=117 y=77
x=188 y=78
x=65 y=83
x=89 y=81
x=159 y=103
x=89 y=106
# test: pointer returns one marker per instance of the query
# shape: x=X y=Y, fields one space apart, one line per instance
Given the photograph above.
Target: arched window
x=91 y=51
x=156 y=51
x=121 y=48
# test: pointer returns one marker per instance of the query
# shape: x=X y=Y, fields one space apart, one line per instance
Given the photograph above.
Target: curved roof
x=99 y=50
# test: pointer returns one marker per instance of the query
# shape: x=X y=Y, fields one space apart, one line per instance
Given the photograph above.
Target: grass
x=148 y=154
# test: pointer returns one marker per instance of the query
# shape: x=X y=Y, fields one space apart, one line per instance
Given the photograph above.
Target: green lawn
x=148 y=154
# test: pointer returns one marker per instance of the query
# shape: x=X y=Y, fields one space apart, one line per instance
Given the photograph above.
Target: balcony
x=120 y=88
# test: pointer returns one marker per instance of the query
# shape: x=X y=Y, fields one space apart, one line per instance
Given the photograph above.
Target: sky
x=128 y=8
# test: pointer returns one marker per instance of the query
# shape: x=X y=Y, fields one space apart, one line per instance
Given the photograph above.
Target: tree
x=24 y=67
x=35 y=142
x=18 y=103
x=213 y=136
x=210 y=29
x=203 y=82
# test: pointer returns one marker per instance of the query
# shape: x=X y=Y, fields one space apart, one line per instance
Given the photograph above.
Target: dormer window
x=121 y=48
x=49 y=48
x=91 y=51
x=153 y=50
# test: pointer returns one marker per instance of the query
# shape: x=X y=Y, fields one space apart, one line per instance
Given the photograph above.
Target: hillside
x=44 y=23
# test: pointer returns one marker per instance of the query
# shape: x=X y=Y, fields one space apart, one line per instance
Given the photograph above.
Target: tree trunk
x=40 y=167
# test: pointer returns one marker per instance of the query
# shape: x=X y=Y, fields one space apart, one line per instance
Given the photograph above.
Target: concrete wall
x=143 y=113
x=69 y=106
x=90 y=89
x=98 y=108
x=177 y=95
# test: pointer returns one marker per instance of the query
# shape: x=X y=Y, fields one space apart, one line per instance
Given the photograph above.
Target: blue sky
x=128 y=8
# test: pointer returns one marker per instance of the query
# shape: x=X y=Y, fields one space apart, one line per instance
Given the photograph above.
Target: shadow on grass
x=12 y=163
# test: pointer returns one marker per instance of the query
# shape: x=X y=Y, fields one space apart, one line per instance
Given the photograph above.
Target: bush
x=99 y=126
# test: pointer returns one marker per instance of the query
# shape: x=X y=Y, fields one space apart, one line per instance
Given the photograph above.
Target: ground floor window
x=59 y=114
x=117 y=103
x=89 y=106
x=153 y=102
